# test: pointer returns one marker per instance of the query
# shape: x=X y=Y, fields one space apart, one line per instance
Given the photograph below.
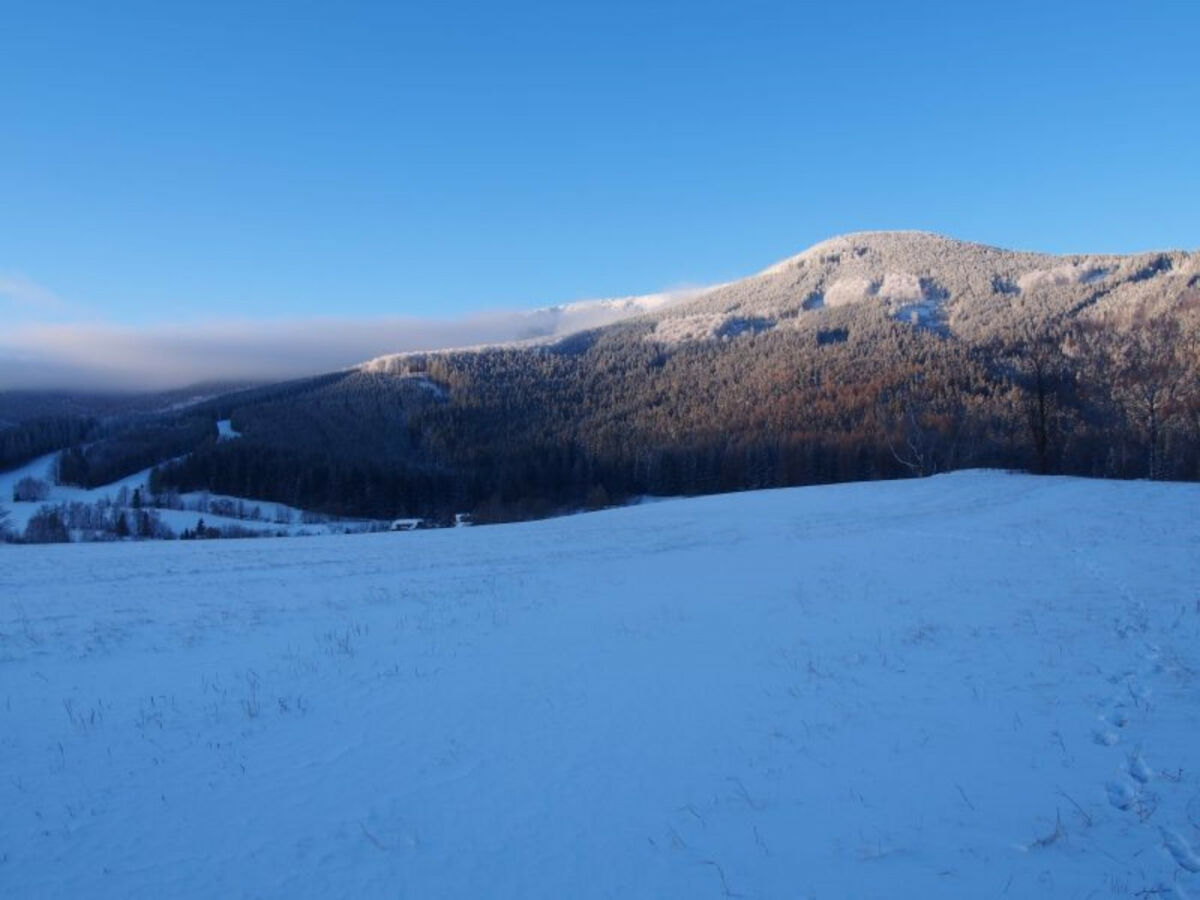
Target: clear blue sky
x=170 y=161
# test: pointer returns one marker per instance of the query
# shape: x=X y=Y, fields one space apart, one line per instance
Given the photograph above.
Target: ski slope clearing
x=974 y=685
x=277 y=518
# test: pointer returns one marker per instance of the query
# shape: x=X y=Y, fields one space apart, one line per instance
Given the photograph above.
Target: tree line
x=524 y=432
x=610 y=414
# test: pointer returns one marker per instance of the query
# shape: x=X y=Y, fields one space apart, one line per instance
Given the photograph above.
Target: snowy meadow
x=972 y=685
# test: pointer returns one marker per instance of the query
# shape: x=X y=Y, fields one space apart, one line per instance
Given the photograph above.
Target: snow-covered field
x=276 y=517
x=975 y=685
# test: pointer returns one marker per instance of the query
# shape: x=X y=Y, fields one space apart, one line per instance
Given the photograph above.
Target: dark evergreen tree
x=46 y=527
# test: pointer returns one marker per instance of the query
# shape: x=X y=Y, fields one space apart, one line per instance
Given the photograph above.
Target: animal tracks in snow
x=1180 y=850
x=1140 y=794
x=1121 y=794
x=1138 y=770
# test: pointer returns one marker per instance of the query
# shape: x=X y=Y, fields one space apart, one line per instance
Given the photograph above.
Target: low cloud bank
x=105 y=357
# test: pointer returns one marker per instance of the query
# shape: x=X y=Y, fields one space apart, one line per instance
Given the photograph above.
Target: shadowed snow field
x=973 y=685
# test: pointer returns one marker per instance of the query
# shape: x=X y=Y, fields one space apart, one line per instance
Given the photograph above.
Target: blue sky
x=167 y=162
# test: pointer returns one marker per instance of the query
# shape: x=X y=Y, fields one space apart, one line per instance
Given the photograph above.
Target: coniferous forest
x=1067 y=374
x=600 y=418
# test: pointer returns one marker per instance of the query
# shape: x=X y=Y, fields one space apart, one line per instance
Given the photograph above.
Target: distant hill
x=870 y=355
x=970 y=290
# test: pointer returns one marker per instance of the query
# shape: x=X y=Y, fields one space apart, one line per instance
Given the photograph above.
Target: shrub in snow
x=46 y=527
x=30 y=490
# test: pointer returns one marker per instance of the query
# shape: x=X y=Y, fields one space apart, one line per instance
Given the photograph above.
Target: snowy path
x=977 y=685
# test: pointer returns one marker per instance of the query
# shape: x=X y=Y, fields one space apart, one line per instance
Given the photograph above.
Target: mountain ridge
x=867 y=356
x=931 y=279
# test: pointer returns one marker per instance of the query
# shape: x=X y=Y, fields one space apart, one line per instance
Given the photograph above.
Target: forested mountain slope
x=867 y=356
x=970 y=290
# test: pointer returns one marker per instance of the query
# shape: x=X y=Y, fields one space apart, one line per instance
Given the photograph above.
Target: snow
x=679 y=329
x=901 y=287
x=1072 y=273
x=849 y=290
x=832 y=249
x=226 y=431
x=972 y=685
x=42 y=469
x=276 y=517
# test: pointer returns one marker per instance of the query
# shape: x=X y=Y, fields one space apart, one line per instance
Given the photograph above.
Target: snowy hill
x=972 y=685
x=929 y=280
x=933 y=281
x=867 y=356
